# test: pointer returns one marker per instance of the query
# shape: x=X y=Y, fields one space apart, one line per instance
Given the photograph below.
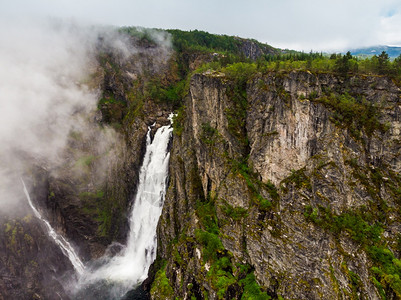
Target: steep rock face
x=253 y=50
x=304 y=137
x=208 y=106
x=30 y=264
x=322 y=150
x=284 y=134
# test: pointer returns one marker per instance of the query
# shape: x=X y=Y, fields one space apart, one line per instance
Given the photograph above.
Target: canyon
x=282 y=184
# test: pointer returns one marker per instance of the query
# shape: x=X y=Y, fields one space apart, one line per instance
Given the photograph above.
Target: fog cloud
x=43 y=98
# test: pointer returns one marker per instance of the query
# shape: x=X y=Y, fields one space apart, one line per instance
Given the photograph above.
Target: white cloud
x=309 y=24
x=389 y=30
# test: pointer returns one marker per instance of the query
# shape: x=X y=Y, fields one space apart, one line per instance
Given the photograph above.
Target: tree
x=343 y=64
x=333 y=56
x=383 y=63
x=397 y=65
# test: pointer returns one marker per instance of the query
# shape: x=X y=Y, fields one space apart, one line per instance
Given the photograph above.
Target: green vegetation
x=235 y=213
x=298 y=178
x=148 y=88
x=355 y=281
x=203 y=41
x=252 y=288
x=237 y=68
x=161 y=288
x=223 y=273
x=211 y=244
x=362 y=228
x=113 y=107
x=355 y=223
x=136 y=102
x=160 y=92
x=208 y=135
x=221 y=276
x=178 y=121
x=197 y=40
x=110 y=100
x=387 y=271
x=354 y=113
x=14 y=234
x=239 y=74
x=144 y=35
x=371 y=179
x=255 y=185
x=209 y=235
x=86 y=160
x=98 y=206
x=91 y=196
x=343 y=65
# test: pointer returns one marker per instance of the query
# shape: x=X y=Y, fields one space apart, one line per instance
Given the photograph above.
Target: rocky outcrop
x=321 y=167
x=284 y=134
x=30 y=266
x=252 y=49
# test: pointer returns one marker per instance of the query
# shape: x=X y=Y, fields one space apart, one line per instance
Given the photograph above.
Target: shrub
x=211 y=244
x=161 y=285
x=252 y=289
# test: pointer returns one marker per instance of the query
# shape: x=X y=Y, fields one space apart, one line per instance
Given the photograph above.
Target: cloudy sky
x=303 y=25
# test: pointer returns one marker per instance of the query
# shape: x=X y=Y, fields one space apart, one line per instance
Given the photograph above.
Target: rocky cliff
x=288 y=188
x=282 y=185
x=29 y=262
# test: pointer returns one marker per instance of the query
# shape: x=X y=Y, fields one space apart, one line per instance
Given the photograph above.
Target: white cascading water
x=129 y=268
x=64 y=245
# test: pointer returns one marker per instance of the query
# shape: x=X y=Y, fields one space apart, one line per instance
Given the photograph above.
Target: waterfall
x=118 y=274
x=64 y=245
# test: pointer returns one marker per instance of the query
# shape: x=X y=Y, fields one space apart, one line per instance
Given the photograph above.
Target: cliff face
x=281 y=185
x=294 y=193
x=253 y=50
x=31 y=267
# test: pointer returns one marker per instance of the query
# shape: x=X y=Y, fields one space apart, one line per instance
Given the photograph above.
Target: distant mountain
x=376 y=50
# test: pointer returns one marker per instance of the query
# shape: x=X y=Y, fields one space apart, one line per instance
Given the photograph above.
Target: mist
x=43 y=96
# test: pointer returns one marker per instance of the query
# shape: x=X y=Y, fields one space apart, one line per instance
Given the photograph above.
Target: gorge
x=283 y=177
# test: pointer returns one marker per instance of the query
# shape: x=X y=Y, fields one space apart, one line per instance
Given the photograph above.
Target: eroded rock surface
x=307 y=158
